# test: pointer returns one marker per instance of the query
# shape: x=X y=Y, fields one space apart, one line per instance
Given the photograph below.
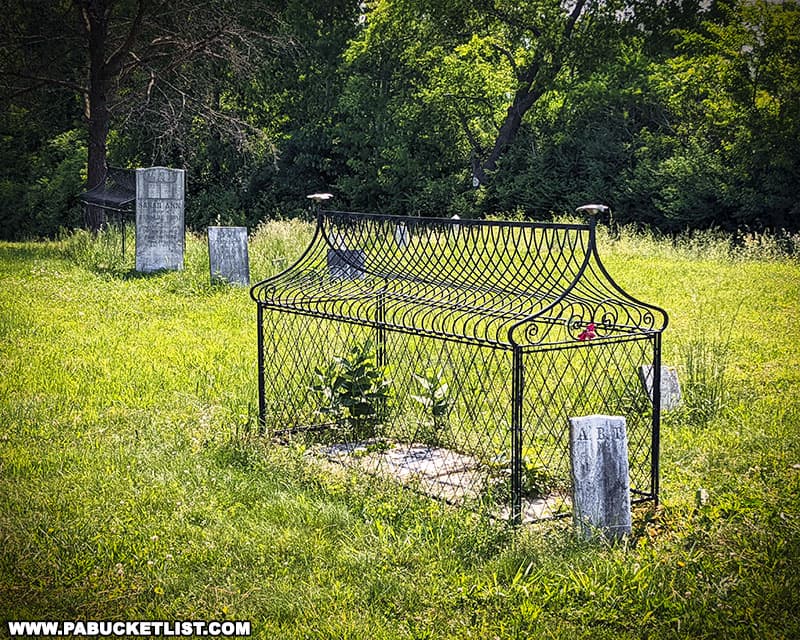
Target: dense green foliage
x=133 y=484
x=677 y=114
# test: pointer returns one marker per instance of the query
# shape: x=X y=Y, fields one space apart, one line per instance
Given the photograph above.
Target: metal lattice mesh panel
x=449 y=454
x=601 y=378
x=495 y=283
x=449 y=355
x=294 y=345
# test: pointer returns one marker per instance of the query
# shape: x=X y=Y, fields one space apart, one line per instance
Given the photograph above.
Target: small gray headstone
x=401 y=235
x=347 y=264
x=337 y=241
x=159 y=219
x=601 y=486
x=670 y=387
x=227 y=255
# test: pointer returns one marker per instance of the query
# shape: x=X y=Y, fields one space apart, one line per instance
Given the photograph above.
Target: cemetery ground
x=133 y=484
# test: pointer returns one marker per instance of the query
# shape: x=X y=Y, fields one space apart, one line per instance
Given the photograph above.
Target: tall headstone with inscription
x=227 y=255
x=601 y=486
x=159 y=219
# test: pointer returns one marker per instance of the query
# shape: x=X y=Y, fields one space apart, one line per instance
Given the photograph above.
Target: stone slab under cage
x=439 y=473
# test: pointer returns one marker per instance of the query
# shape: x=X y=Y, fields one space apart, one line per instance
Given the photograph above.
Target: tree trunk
x=533 y=81
x=524 y=99
x=96 y=22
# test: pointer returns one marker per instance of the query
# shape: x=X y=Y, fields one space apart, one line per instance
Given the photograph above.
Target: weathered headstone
x=401 y=235
x=159 y=219
x=227 y=255
x=347 y=264
x=601 y=486
x=670 y=387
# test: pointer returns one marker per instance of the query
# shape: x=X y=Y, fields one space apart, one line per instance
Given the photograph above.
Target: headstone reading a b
x=670 y=387
x=347 y=264
x=159 y=219
x=601 y=486
x=227 y=255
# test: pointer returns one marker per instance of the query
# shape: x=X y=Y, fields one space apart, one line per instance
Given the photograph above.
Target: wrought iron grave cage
x=116 y=197
x=449 y=354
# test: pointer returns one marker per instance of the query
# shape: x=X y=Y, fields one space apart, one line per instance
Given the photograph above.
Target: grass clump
x=704 y=386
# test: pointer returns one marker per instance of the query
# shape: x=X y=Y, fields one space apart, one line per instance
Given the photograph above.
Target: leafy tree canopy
x=676 y=113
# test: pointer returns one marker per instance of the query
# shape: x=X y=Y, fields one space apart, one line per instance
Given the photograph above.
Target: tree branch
x=115 y=60
x=510 y=20
x=477 y=148
x=44 y=81
x=576 y=12
x=533 y=83
x=508 y=56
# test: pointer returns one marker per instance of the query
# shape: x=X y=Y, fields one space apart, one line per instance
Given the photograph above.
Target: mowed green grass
x=132 y=485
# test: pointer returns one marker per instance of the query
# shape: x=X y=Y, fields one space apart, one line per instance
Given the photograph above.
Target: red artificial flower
x=588 y=333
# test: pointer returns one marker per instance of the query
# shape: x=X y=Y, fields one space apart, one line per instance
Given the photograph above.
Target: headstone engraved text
x=159 y=219
x=601 y=486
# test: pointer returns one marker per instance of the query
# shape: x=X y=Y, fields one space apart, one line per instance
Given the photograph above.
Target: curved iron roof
x=499 y=283
x=116 y=192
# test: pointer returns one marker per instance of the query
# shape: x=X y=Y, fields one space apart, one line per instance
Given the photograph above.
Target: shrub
x=353 y=391
x=537 y=480
x=435 y=404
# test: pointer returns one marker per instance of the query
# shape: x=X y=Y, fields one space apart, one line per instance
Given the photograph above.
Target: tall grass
x=706 y=244
x=132 y=484
x=704 y=387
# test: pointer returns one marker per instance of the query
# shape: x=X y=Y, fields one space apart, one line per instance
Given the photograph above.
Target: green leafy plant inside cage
x=353 y=392
x=434 y=401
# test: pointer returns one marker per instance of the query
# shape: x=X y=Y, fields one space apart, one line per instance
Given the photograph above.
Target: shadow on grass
x=27 y=251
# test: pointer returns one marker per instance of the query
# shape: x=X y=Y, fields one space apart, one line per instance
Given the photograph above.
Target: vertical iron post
x=380 y=339
x=592 y=210
x=122 y=232
x=655 y=444
x=380 y=328
x=516 y=436
x=318 y=199
x=262 y=402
